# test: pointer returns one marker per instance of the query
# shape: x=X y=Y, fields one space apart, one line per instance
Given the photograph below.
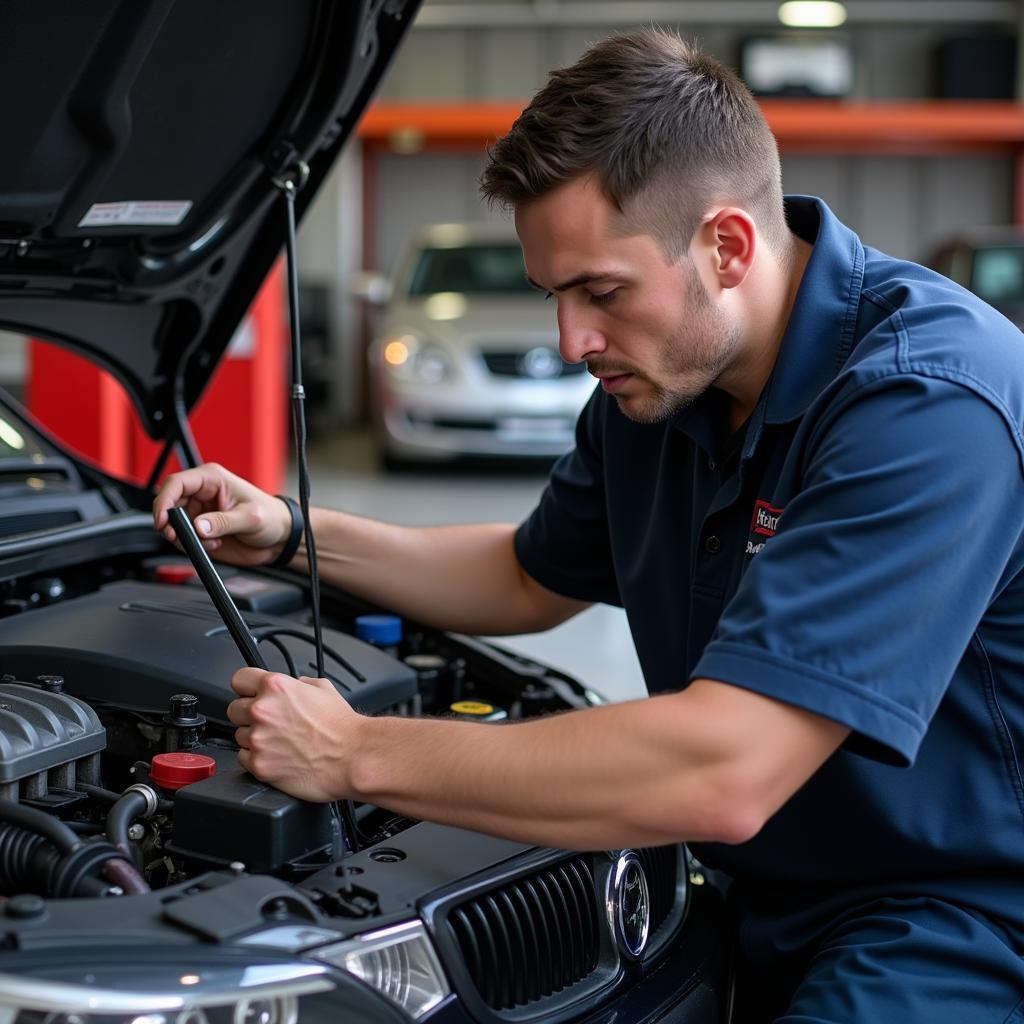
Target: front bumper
x=519 y=419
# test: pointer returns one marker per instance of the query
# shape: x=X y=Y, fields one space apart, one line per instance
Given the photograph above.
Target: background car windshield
x=471 y=269
x=999 y=275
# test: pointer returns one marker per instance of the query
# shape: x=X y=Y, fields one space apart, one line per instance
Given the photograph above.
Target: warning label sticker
x=137 y=213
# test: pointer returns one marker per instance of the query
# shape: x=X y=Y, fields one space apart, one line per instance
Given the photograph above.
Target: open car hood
x=143 y=143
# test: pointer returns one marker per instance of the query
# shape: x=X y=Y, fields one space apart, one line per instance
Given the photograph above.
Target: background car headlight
x=412 y=358
x=125 y=987
x=399 y=962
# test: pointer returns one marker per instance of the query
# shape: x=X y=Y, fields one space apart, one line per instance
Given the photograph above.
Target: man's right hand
x=236 y=521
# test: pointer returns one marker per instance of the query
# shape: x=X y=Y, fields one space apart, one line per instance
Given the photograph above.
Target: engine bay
x=113 y=725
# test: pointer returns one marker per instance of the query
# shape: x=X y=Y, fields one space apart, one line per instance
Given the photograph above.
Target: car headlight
x=412 y=358
x=399 y=962
x=164 y=987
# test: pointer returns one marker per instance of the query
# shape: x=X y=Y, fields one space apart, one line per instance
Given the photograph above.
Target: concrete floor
x=595 y=646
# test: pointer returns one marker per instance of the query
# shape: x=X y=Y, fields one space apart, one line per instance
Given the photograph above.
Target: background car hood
x=141 y=142
x=526 y=319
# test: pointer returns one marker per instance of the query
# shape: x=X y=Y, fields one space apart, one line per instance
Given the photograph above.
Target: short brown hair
x=667 y=131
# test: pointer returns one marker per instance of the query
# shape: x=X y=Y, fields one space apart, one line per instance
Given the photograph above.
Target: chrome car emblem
x=629 y=905
x=540 y=364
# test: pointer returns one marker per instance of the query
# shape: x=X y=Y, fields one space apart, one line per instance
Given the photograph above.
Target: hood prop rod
x=344 y=829
x=289 y=182
x=181 y=443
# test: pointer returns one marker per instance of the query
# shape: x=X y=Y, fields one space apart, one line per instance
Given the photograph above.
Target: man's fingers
x=238 y=710
x=193 y=507
x=246 y=683
x=200 y=483
x=245 y=518
x=167 y=498
x=243 y=737
x=319 y=682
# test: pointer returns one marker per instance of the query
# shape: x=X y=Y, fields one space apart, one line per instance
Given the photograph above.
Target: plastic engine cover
x=138 y=644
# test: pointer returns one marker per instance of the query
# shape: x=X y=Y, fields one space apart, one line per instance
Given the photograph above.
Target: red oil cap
x=172 y=771
x=175 y=572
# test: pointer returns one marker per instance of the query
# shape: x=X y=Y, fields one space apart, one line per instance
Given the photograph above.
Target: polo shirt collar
x=821 y=327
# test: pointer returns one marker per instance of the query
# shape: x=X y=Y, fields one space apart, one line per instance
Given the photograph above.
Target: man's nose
x=577 y=337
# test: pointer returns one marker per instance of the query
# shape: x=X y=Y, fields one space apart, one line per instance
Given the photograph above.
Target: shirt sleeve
x=906 y=526
x=564 y=543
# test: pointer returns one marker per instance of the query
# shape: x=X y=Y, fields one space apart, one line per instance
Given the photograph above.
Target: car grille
x=509 y=364
x=532 y=937
x=661 y=866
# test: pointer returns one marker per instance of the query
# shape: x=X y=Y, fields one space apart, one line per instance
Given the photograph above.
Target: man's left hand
x=293 y=733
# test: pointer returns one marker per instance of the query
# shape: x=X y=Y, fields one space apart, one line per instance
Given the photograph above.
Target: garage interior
x=918 y=136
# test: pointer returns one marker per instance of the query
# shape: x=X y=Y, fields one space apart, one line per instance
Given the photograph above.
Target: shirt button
x=712 y=465
x=712 y=545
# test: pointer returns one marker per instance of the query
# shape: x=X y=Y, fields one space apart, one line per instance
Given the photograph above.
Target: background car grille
x=508 y=364
x=532 y=937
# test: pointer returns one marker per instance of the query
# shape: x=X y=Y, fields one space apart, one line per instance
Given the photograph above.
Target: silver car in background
x=466 y=362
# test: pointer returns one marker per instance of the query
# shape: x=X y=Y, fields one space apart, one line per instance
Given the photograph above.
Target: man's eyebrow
x=573 y=282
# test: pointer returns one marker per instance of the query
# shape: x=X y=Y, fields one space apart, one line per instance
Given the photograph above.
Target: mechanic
x=803 y=477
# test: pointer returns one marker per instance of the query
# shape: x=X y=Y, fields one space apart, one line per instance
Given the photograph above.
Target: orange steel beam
x=896 y=127
x=470 y=123
x=812 y=126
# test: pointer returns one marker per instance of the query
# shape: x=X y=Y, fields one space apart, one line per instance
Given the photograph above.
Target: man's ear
x=731 y=240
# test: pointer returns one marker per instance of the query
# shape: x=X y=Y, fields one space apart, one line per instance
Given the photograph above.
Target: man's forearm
x=463 y=578
x=639 y=773
x=571 y=790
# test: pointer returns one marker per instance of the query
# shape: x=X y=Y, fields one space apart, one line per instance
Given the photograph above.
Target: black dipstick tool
x=219 y=595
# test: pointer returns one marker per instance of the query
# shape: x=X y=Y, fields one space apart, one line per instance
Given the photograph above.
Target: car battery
x=232 y=816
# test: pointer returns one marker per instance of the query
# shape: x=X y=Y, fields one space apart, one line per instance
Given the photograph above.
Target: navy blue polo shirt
x=857 y=553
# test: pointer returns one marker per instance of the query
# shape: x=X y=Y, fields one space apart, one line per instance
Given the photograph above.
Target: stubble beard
x=694 y=357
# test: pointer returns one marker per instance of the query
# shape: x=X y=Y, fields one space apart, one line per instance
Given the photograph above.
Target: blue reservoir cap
x=383 y=630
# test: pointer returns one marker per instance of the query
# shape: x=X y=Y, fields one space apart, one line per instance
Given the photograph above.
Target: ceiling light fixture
x=812 y=14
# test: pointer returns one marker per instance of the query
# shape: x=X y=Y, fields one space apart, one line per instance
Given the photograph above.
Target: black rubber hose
x=98 y=792
x=85 y=828
x=39 y=822
x=30 y=863
x=27 y=861
x=128 y=807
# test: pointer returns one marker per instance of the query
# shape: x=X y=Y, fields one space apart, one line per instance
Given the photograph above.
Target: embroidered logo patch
x=763 y=525
x=766 y=519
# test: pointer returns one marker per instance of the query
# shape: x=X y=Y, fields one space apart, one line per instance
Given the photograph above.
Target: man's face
x=646 y=328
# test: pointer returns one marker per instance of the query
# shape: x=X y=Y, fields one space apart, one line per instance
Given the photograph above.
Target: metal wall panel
x=431 y=66
x=886 y=212
x=510 y=65
x=892 y=62
x=423 y=189
x=961 y=192
x=901 y=205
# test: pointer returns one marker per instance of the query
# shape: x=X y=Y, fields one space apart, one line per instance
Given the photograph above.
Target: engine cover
x=47 y=741
x=137 y=644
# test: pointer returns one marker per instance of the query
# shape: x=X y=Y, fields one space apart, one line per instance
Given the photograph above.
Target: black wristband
x=291 y=545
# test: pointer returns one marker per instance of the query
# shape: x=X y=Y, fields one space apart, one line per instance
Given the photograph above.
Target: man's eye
x=603 y=298
x=547 y=295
